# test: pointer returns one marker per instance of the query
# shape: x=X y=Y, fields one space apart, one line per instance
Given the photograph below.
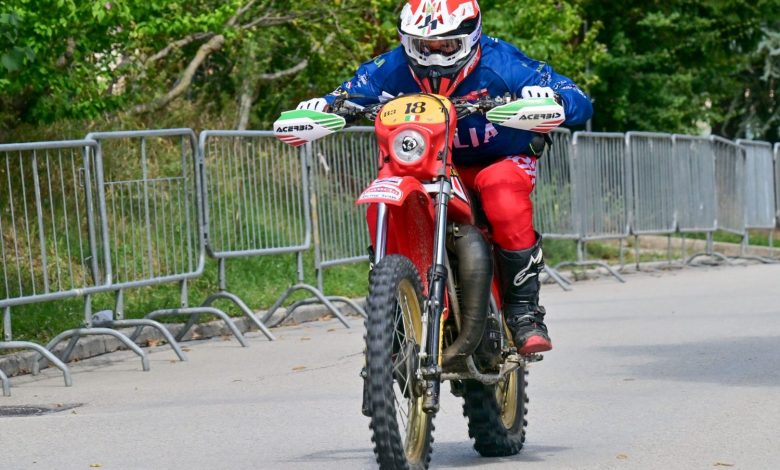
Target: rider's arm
x=363 y=84
x=526 y=72
x=575 y=102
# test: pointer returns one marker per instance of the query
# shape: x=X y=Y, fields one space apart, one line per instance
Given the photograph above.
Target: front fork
x=434 y=310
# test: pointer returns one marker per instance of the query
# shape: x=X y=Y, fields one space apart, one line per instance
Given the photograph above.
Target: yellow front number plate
x=414 y=108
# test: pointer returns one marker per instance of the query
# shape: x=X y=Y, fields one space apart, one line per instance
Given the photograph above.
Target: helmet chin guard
x=443 y=82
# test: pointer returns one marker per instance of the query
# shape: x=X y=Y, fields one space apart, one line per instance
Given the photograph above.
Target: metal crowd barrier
x=602 y=192
x=652 y=170
x=730 y=185
x=554 y=214
x=257 y=203
x=5 y=383
x=149 y=193
x=695 y=197
x=759 y=190
x=49 y=234
x=343 y=165
x=777 y=181
x=125 y=210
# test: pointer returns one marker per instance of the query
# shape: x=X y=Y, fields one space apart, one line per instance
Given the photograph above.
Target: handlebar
x=342 y=106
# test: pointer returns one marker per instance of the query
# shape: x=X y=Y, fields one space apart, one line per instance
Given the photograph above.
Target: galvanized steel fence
x=694 y=177
x=125 y=210
x=150 y=211
x=759 y=190
x=49 y=242
x=257 y=193
x=777 y=180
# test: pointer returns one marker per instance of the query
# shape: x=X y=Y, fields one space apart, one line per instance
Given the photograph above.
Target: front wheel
x=496 y=414
x=402 y=431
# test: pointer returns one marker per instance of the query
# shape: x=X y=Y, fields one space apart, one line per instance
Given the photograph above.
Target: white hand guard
x=314 y=104
x=537 y=92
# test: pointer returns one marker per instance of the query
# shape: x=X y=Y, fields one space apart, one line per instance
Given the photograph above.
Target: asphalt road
x=679 y=370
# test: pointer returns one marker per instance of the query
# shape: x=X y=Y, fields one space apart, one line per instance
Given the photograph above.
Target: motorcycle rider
x=443 y=51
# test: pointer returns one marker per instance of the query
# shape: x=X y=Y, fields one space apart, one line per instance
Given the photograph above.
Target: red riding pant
x=504 y=188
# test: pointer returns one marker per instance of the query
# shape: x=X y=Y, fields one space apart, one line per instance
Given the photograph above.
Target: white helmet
x=441 y=41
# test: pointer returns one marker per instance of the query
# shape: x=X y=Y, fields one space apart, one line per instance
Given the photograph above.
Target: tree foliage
x=678 y=65
x=552 y=31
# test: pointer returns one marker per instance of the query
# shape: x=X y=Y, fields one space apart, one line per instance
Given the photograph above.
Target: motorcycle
x=446 y=325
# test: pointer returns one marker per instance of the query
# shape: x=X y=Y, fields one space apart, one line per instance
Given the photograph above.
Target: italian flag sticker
x=412 y=117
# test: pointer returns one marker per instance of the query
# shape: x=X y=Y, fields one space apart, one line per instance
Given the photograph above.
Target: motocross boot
x=520 y=287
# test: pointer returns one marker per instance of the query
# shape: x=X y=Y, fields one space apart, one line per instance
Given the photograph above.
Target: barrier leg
x=43 y=352
x=558 y=278
x=140 y=324
x=357 y=308
x=78 y=332
x=313 y=300
x=709 y=251
x=315 y=292
x=6 y=384
x=602 y=264
x=70 y=347
x=244 y=309
x=193 y=312
x=714 y=254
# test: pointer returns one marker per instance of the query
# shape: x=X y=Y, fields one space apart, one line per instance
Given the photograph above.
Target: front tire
x=496 y=414
x=393 y=336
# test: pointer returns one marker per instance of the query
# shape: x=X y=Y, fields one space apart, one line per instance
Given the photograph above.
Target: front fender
x=393 y=190
x=410 y=220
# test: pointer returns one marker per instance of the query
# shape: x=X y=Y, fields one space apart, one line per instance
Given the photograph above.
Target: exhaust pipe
x=475 y=269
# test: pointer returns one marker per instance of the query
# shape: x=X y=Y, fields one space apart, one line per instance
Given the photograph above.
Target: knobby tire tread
x=480 y=407
x=388 y=442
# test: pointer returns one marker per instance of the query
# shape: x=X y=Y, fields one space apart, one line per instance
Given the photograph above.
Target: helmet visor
x=441 y=51
x=445 y=47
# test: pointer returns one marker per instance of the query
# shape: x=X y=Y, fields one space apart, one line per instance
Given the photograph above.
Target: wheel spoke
x=408 y=324
x=403 y=411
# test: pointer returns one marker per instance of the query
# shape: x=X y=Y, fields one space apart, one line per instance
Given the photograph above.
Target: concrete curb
x=90 y=346
x=660 y=243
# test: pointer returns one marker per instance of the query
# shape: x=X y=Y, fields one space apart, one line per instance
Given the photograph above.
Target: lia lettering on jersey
x=474 y=140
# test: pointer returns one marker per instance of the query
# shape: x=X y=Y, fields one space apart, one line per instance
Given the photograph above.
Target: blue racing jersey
x=502 y=69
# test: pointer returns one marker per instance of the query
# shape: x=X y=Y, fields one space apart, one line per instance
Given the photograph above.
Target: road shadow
x=362 y=454
x=461 y=454
x=752 y=361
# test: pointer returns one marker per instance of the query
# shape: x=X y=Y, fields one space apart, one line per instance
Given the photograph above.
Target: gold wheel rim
x=408 y=318
x=506 y=396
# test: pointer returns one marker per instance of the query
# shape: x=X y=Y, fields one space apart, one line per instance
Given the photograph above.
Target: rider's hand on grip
x=540 y=92
x=314 y=104
x=537 y=92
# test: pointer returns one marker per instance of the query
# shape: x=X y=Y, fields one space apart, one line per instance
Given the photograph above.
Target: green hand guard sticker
x=530 y=114
x=301 y=126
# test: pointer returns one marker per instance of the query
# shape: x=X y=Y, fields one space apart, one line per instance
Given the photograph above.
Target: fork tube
x=437 y=283
x=381 y=232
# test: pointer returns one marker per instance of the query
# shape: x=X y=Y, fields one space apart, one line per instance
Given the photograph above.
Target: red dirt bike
x=433 y=301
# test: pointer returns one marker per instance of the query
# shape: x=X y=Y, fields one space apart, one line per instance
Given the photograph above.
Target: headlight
x=409 y=146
